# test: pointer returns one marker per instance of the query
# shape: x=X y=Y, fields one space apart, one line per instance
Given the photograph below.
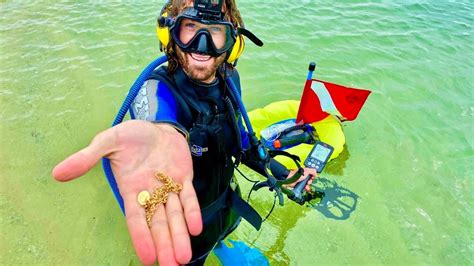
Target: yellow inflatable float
x=329 y=129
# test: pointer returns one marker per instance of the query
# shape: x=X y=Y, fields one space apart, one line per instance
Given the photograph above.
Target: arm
x=278 y=170
x=155 y=103
x=137 y=149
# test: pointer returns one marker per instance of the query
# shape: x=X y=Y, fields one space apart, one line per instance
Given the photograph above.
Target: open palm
x=137 y=150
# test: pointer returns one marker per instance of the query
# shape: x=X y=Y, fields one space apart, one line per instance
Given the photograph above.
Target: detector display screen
x=320 y=152
x=319 y=156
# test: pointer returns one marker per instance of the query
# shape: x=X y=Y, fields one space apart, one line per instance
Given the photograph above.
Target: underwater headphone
x=164 y=36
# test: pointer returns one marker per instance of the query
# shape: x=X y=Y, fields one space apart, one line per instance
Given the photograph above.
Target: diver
x=174 y=161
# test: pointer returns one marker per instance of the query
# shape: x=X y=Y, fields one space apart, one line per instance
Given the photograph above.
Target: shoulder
x=161 y=74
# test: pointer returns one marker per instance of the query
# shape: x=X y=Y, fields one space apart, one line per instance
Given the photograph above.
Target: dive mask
x=195 y=33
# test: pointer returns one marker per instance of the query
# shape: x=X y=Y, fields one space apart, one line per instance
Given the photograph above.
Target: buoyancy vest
x=214 y=138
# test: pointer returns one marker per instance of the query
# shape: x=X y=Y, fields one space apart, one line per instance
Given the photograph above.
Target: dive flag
x=321 y=98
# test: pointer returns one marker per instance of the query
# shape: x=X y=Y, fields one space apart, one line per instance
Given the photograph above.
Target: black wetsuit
x=208 y=115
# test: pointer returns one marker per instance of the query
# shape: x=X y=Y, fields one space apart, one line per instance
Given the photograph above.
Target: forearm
x=278 y=170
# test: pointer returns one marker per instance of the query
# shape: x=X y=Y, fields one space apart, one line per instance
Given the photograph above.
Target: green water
x=407 y=167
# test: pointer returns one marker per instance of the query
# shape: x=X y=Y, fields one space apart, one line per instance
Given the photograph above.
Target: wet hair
x=175 y=7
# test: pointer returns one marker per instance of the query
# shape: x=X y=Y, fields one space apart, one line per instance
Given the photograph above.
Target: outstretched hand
x=138 y=149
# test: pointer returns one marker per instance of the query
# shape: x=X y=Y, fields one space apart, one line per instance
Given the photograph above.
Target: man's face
x=199 y=67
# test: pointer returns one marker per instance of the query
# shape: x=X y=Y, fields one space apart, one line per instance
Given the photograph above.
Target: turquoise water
x=404 y=180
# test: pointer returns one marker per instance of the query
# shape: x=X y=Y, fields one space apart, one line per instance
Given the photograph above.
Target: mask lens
x=220 y=33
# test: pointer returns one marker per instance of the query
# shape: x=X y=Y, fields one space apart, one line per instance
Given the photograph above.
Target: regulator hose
x=126 y=107
x=245 y=116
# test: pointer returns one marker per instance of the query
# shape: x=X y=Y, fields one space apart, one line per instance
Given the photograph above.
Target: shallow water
x=404 y=181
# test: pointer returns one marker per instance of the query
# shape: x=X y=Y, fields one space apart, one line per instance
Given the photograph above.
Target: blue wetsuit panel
x=155 y=103
x=166 y=104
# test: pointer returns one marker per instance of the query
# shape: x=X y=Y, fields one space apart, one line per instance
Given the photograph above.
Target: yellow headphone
x=164 y=36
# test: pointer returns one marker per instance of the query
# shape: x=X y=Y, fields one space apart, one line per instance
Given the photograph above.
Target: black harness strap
x=233 y=118
x=237 y=204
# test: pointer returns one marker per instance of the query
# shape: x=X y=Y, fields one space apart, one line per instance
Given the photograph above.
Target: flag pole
x=311 y=68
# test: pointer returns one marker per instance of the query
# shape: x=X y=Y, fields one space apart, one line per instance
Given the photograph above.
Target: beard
x=204 y=72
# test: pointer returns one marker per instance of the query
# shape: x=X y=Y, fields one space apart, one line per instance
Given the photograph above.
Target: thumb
x=82 y=161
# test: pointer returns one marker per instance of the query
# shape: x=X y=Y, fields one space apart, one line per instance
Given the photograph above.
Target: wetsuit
x=208 y=116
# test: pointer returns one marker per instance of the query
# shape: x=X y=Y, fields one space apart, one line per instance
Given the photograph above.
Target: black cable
x=271 y=210
x=250 y=193
x=248 y=179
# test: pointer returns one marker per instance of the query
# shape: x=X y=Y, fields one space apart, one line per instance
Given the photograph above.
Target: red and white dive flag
x=322 y=98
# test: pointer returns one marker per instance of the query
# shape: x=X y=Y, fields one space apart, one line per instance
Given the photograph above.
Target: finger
x=192 y=211
x=82 y=161
x=313 y=174
x=302 y=177
x=162 y=238
x=138 y=229
x=178 y=229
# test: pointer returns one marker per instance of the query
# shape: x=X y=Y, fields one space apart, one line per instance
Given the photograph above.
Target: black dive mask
x=195 y=32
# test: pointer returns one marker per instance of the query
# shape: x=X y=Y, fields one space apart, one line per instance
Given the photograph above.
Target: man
x=187 y=128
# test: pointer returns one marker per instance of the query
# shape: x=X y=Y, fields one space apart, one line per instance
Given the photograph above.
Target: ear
x=162 y=30
x=237 y=49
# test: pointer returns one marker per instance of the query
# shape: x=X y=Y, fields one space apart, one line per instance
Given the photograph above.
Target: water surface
x=404 y=179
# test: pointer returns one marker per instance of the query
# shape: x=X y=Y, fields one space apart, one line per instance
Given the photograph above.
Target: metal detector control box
x=319 y=156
